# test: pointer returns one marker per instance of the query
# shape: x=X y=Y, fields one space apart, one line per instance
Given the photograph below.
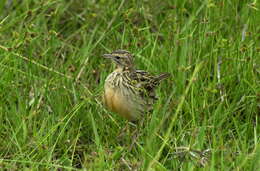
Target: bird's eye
x=117 y=57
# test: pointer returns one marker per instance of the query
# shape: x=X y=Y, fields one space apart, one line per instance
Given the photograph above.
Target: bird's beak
x=108 y=56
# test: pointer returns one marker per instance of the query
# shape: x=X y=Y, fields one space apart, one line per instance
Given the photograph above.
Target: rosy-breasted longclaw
x=127 y=91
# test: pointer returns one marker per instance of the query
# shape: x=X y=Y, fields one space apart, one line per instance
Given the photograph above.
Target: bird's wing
x=148 y=80
x=146 y=83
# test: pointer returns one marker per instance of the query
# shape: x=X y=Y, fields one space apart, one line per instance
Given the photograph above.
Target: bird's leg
x=136 y=133
x=123 y=131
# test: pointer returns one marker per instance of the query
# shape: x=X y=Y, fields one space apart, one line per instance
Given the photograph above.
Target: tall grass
x=52 y=74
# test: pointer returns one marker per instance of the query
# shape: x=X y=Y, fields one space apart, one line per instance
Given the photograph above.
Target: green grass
x=52 y=75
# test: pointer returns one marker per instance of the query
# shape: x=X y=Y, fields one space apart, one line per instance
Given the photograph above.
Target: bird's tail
x=162 y=77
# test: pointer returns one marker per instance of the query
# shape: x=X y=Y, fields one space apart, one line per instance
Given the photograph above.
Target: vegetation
x=52 y=74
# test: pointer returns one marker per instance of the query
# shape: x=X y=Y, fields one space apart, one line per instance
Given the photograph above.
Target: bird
x=127 y=91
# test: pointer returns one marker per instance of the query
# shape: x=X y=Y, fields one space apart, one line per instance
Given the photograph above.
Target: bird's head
x=122 y=58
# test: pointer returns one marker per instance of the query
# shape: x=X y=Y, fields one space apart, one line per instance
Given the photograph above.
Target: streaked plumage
x=127 y=91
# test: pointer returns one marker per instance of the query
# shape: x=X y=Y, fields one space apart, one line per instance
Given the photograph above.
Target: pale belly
x=117 y=102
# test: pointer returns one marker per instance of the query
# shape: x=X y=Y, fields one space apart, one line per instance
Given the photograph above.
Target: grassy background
x=52 y=75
